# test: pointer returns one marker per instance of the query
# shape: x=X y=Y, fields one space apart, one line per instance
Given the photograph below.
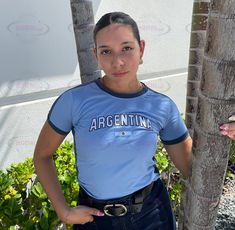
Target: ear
x=95 y=52
x=142 y=47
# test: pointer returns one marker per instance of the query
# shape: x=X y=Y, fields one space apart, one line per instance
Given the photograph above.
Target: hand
x=81 y=215
x=228 y=130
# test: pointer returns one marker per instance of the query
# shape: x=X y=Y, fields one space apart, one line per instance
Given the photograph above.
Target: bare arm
x=181 y=155
x=47 y=143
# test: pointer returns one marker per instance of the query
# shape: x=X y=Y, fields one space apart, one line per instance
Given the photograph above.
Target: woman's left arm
x=181 y=155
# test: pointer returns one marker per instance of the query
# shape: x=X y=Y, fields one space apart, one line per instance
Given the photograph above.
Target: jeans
x=156 y=214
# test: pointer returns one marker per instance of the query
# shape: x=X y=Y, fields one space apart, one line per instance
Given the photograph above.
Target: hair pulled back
x=116 y=18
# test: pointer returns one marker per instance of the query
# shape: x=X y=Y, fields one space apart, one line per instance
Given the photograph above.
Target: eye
x=127 y=48
x=105 y=52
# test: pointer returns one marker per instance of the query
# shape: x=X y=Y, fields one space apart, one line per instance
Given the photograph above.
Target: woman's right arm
x=47 y=144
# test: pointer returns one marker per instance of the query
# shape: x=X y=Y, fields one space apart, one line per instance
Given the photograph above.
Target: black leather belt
x=117 y=207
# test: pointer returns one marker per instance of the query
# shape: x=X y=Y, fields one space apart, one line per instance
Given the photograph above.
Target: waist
x=101 y=185
x=118 y=207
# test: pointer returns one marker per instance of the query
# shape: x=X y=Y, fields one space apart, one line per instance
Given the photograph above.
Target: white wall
x=164 y=25
x=38 y=58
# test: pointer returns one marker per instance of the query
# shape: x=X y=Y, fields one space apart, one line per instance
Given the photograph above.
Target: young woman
x=115 y=121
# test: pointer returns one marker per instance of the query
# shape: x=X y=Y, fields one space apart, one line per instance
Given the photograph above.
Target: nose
x=117 y=60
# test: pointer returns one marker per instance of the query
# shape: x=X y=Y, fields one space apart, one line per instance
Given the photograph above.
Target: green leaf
x=38 y=191
x=44 y=223
x=5 y=182
x=12 y=228
x=12 y=208
x=45 y=212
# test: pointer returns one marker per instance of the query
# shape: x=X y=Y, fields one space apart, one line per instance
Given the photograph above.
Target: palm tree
x=196 y=52
x=83 y=24
x=216 y=102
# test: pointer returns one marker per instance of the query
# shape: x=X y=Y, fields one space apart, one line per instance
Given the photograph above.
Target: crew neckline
x=121 y=95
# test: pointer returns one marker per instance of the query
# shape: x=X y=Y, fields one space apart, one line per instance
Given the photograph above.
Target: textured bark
x=83 y=24
x=196 y=51
x=197 y=44
x=216 y=102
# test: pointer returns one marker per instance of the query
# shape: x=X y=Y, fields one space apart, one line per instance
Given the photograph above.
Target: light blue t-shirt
x=115 y=135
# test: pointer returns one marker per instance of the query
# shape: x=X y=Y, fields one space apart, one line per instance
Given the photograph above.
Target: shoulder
x=77 y=91
x=158 y=95
x=161 y=98
x=73 y=96
x=82 y=87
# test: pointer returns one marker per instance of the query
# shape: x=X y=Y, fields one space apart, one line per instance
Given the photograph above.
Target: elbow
x=187 y=170
x=36 y=161
x=186 y=173
x=37 y=156
x=40 y=160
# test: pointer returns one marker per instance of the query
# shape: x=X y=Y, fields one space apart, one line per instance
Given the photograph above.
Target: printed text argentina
x=120 y=120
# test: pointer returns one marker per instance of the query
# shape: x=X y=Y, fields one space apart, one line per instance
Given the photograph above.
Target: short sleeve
x=60 y=114
x=175 y=129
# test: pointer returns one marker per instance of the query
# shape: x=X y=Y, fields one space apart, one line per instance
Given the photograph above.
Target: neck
x=133 y=86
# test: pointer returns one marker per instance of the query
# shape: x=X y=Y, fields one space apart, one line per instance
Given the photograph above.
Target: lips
x=119 y=74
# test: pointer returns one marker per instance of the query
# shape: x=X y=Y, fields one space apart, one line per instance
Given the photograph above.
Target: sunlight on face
x=117 y=51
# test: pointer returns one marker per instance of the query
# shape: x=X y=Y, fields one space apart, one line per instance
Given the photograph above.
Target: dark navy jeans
x=156 y=214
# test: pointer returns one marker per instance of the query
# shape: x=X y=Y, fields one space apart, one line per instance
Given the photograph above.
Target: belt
x=118 y=207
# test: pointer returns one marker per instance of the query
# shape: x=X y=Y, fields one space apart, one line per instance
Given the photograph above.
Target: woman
x=115 y=122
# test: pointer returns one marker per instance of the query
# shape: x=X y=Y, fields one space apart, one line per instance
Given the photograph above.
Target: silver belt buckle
x=107 y=206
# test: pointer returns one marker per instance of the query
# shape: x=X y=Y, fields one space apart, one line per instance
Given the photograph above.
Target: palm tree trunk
x=216 y=102
x=83 y=24
x=196 y=51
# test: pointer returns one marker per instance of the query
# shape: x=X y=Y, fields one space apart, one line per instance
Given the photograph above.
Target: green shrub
x=231 y=164
x=23 y=202
x=170 y=176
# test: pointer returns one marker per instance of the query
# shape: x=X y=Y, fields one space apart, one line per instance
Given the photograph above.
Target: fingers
x=228 y=130
x=88 y=219
x=95 y=212
x=82 y=215
x=231 y=136
x=90 y=213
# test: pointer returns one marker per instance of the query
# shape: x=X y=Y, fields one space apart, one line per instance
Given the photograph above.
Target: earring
x=141 y=61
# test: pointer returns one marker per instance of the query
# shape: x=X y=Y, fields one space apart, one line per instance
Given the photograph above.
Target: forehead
x=115 y=33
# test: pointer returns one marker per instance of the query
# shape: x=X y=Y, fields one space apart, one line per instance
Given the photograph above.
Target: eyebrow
x=123 y=43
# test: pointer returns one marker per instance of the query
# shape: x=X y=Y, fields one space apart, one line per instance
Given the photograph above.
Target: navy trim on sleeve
x=56 y=129
x=176 y=141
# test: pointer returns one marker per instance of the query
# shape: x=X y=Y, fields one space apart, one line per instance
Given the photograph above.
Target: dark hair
x=118 y=18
